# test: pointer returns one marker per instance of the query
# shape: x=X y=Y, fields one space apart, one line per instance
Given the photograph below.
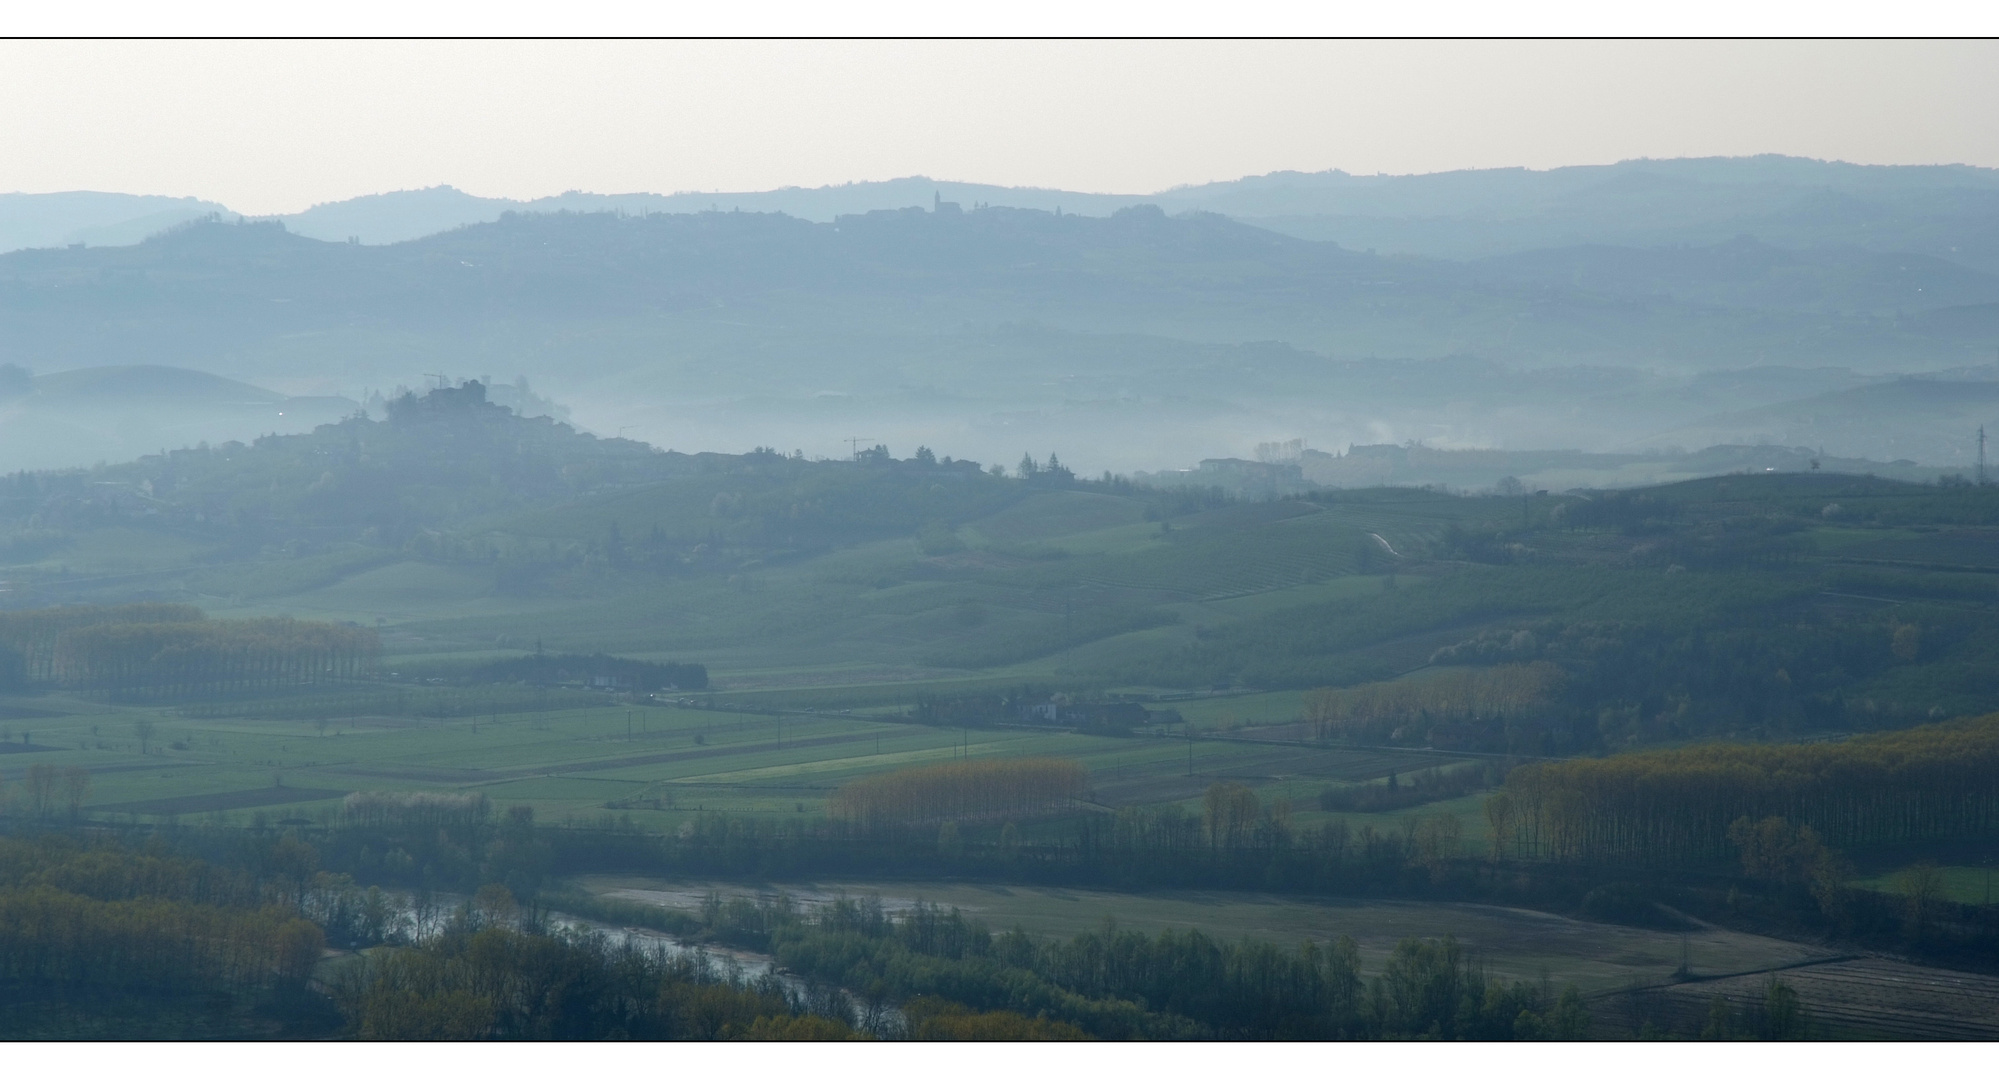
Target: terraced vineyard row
x=1403 y=528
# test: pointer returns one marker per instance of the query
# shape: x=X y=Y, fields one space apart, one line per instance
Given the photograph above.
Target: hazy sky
x=270 y=127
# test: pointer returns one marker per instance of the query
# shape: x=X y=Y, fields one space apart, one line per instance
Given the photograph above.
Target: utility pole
x=1981 y=455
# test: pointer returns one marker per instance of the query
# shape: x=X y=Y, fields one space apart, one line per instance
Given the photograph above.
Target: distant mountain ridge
x=151 y=382
x=1195 y=276
x=1746 y=273
x=120 y=411
x=397 y=216
x=96 y=218
x=1151 y=335
x=1945 y=211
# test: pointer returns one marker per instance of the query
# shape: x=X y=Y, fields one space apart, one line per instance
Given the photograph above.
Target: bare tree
x=1923 y=887
x=144 y=730
x=41 y=788
x=377 y=917
x=1499 y=814
x=76 y=788
x=496 y=906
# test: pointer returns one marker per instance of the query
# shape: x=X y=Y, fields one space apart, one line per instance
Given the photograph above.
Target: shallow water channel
x=415 y=921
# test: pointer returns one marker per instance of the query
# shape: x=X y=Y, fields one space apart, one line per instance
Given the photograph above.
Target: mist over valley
x=1127 y=335
x=1492 y=605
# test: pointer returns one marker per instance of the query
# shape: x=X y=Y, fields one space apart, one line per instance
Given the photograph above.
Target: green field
x=1961 y=884
x=659 y=765
x=830 y=600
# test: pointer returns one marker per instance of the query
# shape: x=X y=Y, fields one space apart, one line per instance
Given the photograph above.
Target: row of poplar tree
x=174 y=650
x=1931 y=783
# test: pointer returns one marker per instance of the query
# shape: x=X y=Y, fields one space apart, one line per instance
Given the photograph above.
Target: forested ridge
x=450 y=478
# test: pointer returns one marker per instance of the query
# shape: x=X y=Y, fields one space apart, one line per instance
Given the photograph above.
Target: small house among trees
x=598 y=671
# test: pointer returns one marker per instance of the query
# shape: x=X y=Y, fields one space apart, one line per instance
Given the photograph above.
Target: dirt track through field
x=1869 y=997
x=1162 y=781
x=146 y=766
x=570 y=768
x=225 y=800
